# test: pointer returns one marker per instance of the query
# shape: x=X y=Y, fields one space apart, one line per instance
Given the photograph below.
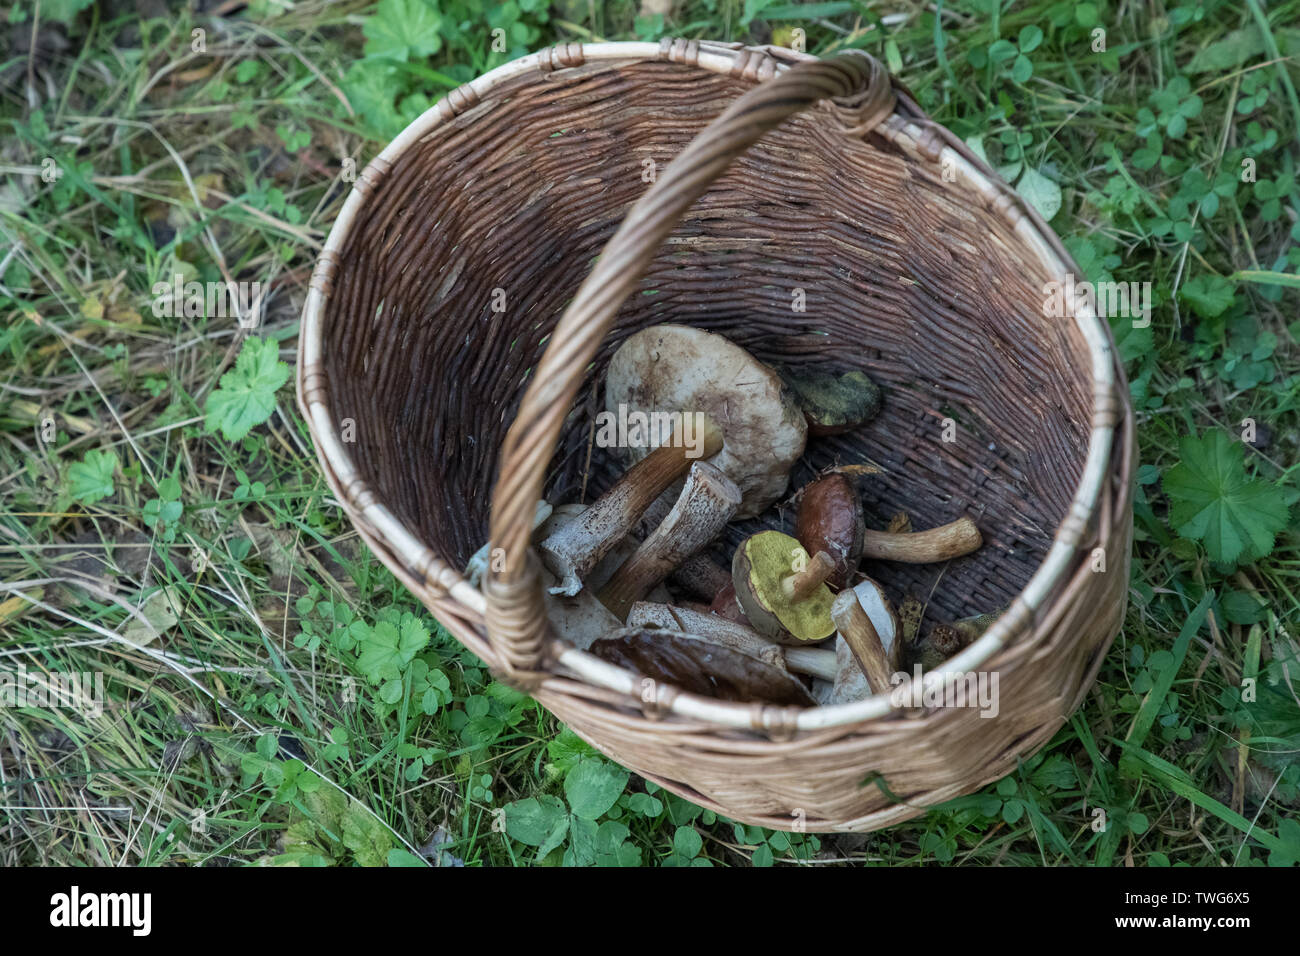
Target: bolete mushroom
x=571 y=552
x=859 y=633
x=830 y=520
x=580 y=618
x=952 y=540
x=705 y=505
x=669 y=370
x=478 y=563
x=814 y=661
x=848 y=684
x=867 y=645
x=941 y=643
x=781 y=589
x=701 y=667
x=973 y=627
x=701 y=577
x=725 y=605
x=833 y=404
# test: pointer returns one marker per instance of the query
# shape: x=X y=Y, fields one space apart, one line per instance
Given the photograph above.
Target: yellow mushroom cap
x=761 y=563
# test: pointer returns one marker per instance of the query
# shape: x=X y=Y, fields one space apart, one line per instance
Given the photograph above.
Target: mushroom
x=703 y=508
x=833 y=404
x=781 y=590
x=581 y=618
x=698 y=575
x=701 y=667
x=814 y=661
x=941 y=643
x=478 y=563
x=859 y=633
x=973 y=627
x=848 y=684
x=950 y=540
x=674 y=369
x=830 y=520
x=701 y=577
x=884 y=618
x=867 y=647
x=571 y=552
x=726 y=606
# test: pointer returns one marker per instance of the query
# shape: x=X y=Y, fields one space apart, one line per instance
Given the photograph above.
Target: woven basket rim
x=905 y=132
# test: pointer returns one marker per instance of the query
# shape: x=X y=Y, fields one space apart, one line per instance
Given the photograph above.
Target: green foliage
x=592 y=787
x=163 y=513
x=246 y=396
x=1213 y=501
x=91 y=479
x=402 y=30
x=390 y=86
x=1174 y=106
x=385 y=650
x=63 y=11
x=1167 y=158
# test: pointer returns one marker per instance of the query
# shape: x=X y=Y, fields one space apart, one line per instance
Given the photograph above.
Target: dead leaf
x=910 y=613
x=867 y=468
x=160 y=613
x=16 y=606
x=900 y=523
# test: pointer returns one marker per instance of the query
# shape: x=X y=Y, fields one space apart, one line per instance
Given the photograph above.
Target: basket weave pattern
x=918 y=266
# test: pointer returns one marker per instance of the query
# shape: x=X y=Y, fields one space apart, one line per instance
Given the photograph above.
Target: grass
x=273 y=695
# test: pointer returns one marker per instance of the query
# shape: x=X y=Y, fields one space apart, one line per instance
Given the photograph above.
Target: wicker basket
x=919 y=266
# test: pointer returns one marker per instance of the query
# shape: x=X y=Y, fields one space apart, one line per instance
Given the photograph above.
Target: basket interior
x=906 y=277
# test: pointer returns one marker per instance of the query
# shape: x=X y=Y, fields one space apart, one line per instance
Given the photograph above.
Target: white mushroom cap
x=883 y=616
x=675 y=368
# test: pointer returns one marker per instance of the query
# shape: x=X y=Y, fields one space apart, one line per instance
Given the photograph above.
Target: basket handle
x=515 y=614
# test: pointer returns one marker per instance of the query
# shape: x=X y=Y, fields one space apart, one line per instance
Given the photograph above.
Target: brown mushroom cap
x=830 y=520
x=726 y=606
x=700 y=667
x=675 y=368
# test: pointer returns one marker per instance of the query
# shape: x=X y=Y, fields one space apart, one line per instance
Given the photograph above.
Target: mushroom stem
x=478 y=563
x=860 y=634
x=706 y=504
x=701 y=577
x=951 y=540
x=574 y=550
x=803 y=583
x=698 y=575
x=813 y=661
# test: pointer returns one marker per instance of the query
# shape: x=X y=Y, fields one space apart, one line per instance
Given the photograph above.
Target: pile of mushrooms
x=794 y=621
